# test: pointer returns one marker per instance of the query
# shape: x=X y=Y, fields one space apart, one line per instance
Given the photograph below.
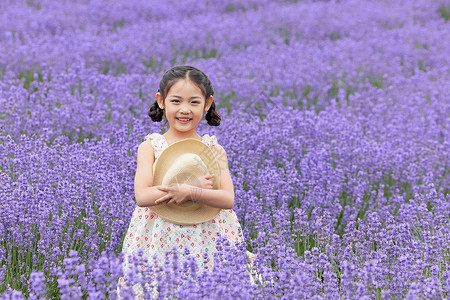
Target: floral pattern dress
x=156 y=236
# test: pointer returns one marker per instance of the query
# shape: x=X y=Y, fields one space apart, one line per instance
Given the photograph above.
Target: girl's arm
x=144 y=191
x=223 y=197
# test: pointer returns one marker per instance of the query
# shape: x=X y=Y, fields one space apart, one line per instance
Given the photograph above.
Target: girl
x=184 y=94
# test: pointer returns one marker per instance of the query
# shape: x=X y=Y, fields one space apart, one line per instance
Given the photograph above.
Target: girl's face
x=184 y=100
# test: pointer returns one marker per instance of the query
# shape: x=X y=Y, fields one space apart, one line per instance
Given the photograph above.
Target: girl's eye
x=192 y=101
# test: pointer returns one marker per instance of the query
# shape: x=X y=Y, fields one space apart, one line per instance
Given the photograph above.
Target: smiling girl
x=185 y=94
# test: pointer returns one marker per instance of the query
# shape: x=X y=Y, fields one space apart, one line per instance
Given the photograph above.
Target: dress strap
x=148 y=136
x=158 y=142
x=209 y=140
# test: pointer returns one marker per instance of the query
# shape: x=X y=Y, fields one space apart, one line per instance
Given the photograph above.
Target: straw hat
x=186 y=161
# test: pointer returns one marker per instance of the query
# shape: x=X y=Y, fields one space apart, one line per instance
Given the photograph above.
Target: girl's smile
x=183 y=121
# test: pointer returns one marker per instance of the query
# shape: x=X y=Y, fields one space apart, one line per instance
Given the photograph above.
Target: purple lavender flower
x=335 y=123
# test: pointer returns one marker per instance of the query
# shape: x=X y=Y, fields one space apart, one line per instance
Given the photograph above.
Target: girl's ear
x=160 y=100
x=209 y=102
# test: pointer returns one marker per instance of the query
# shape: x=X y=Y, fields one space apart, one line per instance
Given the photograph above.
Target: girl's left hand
x=176 y=193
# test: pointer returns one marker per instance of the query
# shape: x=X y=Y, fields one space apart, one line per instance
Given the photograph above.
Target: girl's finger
x=162 y=199
x=162 y=188
x=171 y=187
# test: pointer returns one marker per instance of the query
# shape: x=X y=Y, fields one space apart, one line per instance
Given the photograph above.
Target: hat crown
x=187 y=167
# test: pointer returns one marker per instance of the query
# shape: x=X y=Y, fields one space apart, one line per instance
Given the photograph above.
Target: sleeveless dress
x=156 y=236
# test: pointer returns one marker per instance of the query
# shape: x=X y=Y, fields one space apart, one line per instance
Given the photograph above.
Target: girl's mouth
x=184 y=120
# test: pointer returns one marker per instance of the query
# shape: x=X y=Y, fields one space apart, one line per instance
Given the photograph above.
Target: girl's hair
x=198 y=78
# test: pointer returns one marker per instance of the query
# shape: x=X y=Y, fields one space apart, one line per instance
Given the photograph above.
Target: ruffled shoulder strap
x=158 y=142
x=148 y=136
x=209 y=140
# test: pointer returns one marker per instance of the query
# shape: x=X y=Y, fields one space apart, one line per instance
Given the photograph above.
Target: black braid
x=212 y=116
x=156 y=113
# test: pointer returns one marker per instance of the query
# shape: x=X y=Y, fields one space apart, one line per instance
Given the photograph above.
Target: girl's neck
x=172 y=137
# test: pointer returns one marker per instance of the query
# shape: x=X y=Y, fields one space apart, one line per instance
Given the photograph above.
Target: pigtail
x=155 y=112
x=212 y=116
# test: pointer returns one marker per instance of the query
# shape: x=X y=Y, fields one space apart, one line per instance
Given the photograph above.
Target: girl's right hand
x=203 y=182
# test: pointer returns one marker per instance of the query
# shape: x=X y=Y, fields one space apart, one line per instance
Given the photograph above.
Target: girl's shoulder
x=155 y=141
x=146 y=148
x=212 y=143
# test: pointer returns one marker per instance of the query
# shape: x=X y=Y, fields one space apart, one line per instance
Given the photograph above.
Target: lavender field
x=335 y=119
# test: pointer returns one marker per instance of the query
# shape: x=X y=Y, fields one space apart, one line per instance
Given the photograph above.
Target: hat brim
x=179 y=214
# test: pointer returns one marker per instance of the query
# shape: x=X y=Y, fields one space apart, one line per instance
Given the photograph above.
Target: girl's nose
x=185 y=109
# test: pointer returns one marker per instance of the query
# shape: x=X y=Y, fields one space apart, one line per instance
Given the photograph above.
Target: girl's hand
x=176 y=193
x=203 y=182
